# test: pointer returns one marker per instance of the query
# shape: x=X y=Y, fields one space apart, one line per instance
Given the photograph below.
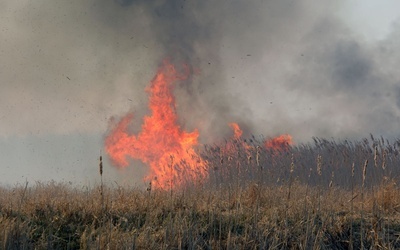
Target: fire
x=162 y=144
x=281 y=142
x=237 y=132
x=169 y=151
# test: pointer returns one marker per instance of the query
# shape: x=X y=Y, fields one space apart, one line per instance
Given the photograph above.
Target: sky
x=307 y=68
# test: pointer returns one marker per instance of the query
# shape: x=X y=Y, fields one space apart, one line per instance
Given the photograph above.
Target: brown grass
x=310 y=197
x=55 y=216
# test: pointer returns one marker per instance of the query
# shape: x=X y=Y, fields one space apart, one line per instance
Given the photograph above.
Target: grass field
x=325 y=195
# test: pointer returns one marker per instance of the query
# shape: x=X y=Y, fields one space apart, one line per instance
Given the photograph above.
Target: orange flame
x=281 y=142
x=161 y=144
x=236 y=130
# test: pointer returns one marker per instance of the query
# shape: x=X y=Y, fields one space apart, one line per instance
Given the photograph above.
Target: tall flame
x=237 y=131
x=161 y=144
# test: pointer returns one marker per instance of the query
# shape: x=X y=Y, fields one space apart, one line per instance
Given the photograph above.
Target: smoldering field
x=329 y=194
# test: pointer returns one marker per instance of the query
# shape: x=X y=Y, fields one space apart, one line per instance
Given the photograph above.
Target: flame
x=281 y=142
x=276 y=143
x=237 y=132
x=162 y=144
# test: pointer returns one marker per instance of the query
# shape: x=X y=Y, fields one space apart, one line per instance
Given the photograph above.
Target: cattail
x=258 y=156
x=376 y=156
x=331 y=182
x=101 y=181
x=351 y=200
x=319 y=171
x=319 y=165
x=172 y=173
x=292 y=164
x=290 y=176
x=101 y=166
x=364 y=172
x=362 y=203
x=149 y=187
x=384 y=160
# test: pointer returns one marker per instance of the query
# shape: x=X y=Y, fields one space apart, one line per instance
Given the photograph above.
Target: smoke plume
x=272 y=66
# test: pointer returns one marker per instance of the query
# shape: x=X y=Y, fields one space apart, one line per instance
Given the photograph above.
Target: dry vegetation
x=328 y=195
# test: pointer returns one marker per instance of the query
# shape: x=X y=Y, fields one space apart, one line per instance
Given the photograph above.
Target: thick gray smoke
x=277 y=67
x=272 y=66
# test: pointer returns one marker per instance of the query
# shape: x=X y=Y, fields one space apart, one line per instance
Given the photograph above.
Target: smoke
x=352 y=82
x=272 y=66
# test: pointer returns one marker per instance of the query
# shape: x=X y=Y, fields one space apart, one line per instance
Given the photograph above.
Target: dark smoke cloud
x=352 y=68
x=272 y=66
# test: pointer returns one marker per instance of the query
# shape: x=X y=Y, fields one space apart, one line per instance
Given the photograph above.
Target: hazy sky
x=308 y=68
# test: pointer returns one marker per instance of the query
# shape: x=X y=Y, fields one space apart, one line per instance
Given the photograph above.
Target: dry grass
x=54 y=216
x=312 y=197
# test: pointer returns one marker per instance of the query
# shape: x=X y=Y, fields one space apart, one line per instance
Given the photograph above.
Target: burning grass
x=336 y=195
x=168 y=150
x=253 y=193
